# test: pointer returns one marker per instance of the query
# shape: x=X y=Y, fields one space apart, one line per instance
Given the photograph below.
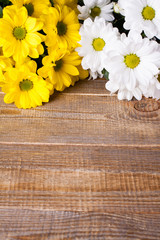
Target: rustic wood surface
x=83 y=167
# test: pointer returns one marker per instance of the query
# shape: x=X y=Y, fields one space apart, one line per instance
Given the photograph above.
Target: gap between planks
x=82 y=94
x=81 y=144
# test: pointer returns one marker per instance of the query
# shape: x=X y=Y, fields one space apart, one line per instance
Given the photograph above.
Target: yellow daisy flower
x=59 y=67
x=62 y=28
x=5 y=63
x=70 y=3
x=83 y=74
x=19 y=36
x=35 y=8
x=24 y=87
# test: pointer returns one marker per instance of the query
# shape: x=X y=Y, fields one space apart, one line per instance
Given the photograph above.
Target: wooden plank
x=42 y=225
x=81 y=120
x=84 y=166
x=112 y=159
x=80 y=178
x=89 y=87
x=80 y=190
x=96 y=107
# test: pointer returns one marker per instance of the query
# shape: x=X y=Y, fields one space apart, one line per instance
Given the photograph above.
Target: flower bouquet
x=48 y=45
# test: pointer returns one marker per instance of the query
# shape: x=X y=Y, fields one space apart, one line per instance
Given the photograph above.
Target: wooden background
x=83 y=167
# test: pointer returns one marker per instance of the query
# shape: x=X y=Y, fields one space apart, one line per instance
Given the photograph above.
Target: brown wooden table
x=83 y=167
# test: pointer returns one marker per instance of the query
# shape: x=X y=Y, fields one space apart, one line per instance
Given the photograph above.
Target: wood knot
x=147 y=105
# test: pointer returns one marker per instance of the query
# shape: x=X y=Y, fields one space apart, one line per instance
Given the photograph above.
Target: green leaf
x=105 y=73
x=1 y=12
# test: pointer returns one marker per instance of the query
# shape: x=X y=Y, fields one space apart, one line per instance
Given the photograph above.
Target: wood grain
x=33 y=225
x=80 y=191
x=67 y=119
x=110 y=159
x=88 y=87
x=84 y=166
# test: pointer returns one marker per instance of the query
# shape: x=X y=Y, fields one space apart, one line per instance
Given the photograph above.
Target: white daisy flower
x=133 y=63
x=96 y=8
x=153 y=90
x=121 y=6
x=97 y=38
x=142 y=15
x=95 y=75
x=117 y=8
x=116 y=83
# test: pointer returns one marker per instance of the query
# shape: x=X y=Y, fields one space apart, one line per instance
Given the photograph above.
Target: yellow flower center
x=148 y=13
x=159 y=77
x=61 y=28
x=98 y=44
x=58 y=65
x=19 y=33
x=131 y=60
x=95 y=12
x=25 y=85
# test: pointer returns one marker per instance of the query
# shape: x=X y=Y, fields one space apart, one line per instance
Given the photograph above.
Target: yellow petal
x=8 y=49
x=83 y=74
x=21 y=16
x=40 y=49
x=9 y=97
x=70 y=69
x=38 y=26
x=33 y=39
x=33 y=53
x=24 y=49
x=32 y=66
x=30 y=24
